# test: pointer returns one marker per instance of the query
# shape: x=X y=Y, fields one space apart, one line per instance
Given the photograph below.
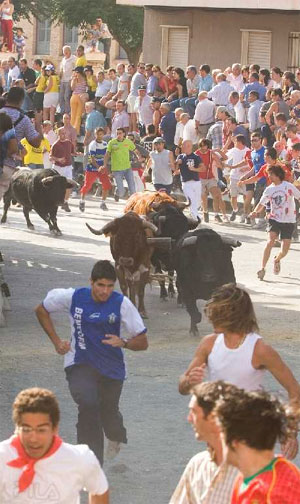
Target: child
x=95 y=170
x=19 y=41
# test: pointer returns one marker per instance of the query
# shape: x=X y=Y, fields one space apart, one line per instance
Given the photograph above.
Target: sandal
x=276 y=267
x=261 y=273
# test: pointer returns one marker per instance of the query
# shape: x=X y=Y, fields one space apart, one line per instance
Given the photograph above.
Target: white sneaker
x=112 y=450
x=243 y=219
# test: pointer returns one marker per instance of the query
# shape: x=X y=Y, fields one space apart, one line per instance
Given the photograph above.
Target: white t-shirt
x=190 y=133
x=66 y=67
x=124 y=79
x=281 y=198
x=235 y=156
x=58 y=479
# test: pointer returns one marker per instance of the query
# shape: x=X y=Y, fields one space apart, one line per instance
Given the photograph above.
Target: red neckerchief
x=23 y=459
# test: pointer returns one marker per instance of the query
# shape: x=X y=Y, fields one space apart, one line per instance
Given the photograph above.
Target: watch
x=125 y=341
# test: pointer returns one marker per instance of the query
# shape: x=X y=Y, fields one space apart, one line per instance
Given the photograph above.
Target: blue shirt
x=206 y=83
x=258 y=159
x=91 y=321
x=254 y=86
x=94 y=120
x=4 y=139
x=168 y=128
x=152 y=84
x=98 y=151
x=189 y=160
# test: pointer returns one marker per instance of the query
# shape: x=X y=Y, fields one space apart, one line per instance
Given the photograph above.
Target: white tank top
x=5 y=14
x=235 y=365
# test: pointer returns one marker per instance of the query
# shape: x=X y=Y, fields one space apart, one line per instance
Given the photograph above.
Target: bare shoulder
x=264 y=353
x=206 y=344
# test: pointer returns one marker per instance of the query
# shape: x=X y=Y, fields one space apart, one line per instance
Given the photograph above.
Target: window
x=256 y=48
x=175 y=46
x=294 y=51
x=43 y=33
x=71 y=37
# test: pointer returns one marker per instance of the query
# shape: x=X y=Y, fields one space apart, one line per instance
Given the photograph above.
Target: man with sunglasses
x=137 y=80
x=37 y=466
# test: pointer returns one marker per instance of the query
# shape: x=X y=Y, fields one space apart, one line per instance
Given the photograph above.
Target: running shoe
x=243 y=219
x=206 y=216
x=261 y=273
x=262 y=224
x=103 y=206
x=66 y=207
x=116 y=196
x=248 y=221
x=112 y=450
x=82 y=206
x=233 y=216
x=225 y=218
x=218 y=219
x=276 y=267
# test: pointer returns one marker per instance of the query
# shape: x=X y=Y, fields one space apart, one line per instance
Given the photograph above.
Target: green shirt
x=120 y=153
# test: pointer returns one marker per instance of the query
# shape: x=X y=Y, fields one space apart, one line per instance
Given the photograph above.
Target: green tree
x=24 y=8
x=125 y=23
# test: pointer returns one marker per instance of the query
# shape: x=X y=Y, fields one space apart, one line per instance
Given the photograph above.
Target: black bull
x=42 y=190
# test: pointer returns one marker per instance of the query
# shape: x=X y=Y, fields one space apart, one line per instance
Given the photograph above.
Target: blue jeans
x=35 y=166
x=64 y=97
x=97 y=398
x=119 y=176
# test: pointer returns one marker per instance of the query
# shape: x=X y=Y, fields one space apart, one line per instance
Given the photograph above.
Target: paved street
x=160 y=439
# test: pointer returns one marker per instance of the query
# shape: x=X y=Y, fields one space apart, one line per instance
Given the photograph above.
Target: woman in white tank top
x=235 y=352
x=6 y=12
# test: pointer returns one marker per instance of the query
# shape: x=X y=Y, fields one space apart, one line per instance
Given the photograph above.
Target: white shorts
x=130 y=104
x=65 y=171
x=235 y=190
x=51 y=100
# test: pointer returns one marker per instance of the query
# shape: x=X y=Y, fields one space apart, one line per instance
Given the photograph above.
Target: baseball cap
x=144 y=88
x=49 y=67
x=155 y=99
x=158 y=140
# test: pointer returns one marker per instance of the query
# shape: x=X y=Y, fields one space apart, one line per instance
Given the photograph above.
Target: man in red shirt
x=61 y=155
x=251 y=423
x=270 y=160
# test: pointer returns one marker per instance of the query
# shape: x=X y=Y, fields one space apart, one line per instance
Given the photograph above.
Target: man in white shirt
x=240 y=111
x=204 y=114
x=123 y=87
x=179 y=129
x=192 y=85
x=120 y=119
x=143 y=109
x=52 y=137
x=67 y=66
x=13 y=72
x=280 y=195
x=207 y=479
x=253 y=113
x=220 y=93
x=37 y=466
x=235 y=78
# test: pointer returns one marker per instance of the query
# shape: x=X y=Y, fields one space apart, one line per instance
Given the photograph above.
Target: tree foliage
x=125 y=23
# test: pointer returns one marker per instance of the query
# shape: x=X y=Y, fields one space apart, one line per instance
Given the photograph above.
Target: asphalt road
x=160 y=439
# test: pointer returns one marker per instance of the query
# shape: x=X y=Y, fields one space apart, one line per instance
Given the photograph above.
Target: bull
x=202 y=260
x=42 y=190
x=132 y=254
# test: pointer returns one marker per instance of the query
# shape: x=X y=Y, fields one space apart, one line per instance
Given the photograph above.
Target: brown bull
x=143 y=203
x=132 y=254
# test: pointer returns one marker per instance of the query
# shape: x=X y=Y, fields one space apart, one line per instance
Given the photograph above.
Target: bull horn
x=94 y=231
x=73 y=182
x=47 y=180
x=228 y=240
x=182 y=205
x=149 y=225
x=193 y=223
x=191 y=240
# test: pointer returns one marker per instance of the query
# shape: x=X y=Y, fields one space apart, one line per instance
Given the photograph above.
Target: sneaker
x=206 y=216
x=233 y=216
x=243 y=219
x=248 y=221
x=218 y=219
x=66 y=207
x=116 y=196
x=225 y=218
x=112 y=450
x=82 y=206
x=103 y=206
x=261 y=273
x=276 y=267
x=260 y=225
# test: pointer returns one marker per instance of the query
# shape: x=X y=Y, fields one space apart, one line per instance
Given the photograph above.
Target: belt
x=206 y=124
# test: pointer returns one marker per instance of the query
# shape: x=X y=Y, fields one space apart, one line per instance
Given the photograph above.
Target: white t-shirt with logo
x=58 y=479
x=281 y=198
x=235 y=156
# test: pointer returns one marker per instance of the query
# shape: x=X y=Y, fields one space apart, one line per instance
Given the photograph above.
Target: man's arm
x=99 y=499
x=106 y=159
x=44 y=318
x=87 y=136
x=137 y=343
x=195 y=371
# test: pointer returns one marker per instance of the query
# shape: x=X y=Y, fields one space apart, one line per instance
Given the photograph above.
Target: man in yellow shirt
x=81 y=59
x=34 y=155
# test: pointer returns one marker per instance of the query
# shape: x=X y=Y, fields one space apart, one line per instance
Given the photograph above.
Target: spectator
x=23 y=128
x=161 y=162
x=172 y=85
x=113 y=87
x=206 y=81
x=235 y=78
x=237 y=129
x=70 y=131
x=105 y=39
x=178 y=131
x=4 y=73
x=181 y=88
x=123 y=87
x=189 y=130
x=152 y=80
x=91 y=80
x=120 y=119
x=162 y=89
x=138 y=80
x=289 y=83
x=156 y=117
x=266 y=132
x=276 y=75
x=167 y=125
x=79 y=97
x=94 y=120
x=61 y=156
x=143 y=110
x=253 y=114
x=103 y=86
x=81 y=59
x=193 y=79
x=66 y=70
x=278 y=106
x=38 y=97
x=253 y=85
x=51 y=137
x=265 y=78
x=19 y=42
x=245 y=74
x=13 y=71
x=204 y=114
x=6 y=11
x=51 y=94
x=147 y=141
x=220 y=93
x=27 y=74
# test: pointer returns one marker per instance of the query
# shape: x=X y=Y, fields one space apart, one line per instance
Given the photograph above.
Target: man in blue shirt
x=94 y=357
x=167 y=126
x=253 y=86
x=206 y=80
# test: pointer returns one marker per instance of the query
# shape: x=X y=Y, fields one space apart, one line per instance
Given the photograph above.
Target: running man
x=282 y=217
x=189 y=165
x=94 y=358
x=37 y=466
x=252 y=422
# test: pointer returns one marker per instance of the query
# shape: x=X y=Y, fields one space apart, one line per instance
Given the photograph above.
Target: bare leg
x=215 y=192
x=234 y=203
x=204 y=202
x=285 y=247
x=268 y=248
x=68 y=194
x=247 y=202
